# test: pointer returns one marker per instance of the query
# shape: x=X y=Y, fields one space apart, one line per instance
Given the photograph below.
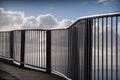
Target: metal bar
x=68 y=70
x=2 y=44
x=39 y=49
x=48 y=50
x=94 y=49
x=26 y=48
x=116 y=47
x=98 y=48
x=11 y=44
x=42 y=49
x=111 y=49
x=90 y=47
x=102 y=50
x=75 y=53
x=32 y=47
x=88 y=50
x=85 y=53
x=34 y=42
x=45 y=49
x=22 y=48
x=106 y=48
x=30 y=32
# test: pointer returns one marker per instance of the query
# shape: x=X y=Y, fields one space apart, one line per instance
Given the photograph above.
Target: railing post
x=75 y=54
x=48 y=51
x=22 y=48
x=88 y=50
x=11 y=44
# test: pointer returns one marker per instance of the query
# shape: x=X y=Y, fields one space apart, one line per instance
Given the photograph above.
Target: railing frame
x=48 y=51
x=87 y=48
x=11 y=44
x=22 y=55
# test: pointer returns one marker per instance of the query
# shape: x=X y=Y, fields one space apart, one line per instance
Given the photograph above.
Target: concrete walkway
x=11 y=72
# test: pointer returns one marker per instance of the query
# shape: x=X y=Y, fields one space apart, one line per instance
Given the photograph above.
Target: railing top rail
x=101 y=15
x=78 y=19
x=96 y=16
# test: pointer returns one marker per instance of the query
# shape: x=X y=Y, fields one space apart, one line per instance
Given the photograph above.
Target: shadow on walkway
x=11 y=72
x=6 y=76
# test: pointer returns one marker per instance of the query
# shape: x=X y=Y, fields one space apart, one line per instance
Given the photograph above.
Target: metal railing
x=88 y=50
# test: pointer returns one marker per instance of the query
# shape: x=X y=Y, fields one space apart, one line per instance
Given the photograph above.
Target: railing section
x=87 y=50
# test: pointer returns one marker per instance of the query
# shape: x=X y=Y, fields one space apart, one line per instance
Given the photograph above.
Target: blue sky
x=61 y=9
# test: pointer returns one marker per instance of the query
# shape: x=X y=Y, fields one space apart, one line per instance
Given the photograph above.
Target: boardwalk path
x=11 y=72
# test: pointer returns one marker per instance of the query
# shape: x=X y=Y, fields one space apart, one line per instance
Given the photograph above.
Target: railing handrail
x=96 y=16
x=78 y=19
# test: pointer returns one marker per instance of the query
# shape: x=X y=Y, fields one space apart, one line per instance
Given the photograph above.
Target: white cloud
x=101 y=1
x=47 y=21
x=16 y=20
x=30 y=22
x=10 y=19
x=108 y=1
x=64 y=23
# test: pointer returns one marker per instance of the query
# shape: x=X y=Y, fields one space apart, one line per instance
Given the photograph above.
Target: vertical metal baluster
x=111 y=49
x=32 y=48
x=43 y=49
x=68 y=53
x=116 y=47
x=48 y=56
x=71 y=52
x=34 y=53
x=54 y=32
x=39 y=47
x=36 y=56
x=61 y=59
x=98 y=48
x=94 y=49
x=26 y=47
x=106 y=48
x=102 y=50
x=2 y=44
x=29 y=47
x=34 y=45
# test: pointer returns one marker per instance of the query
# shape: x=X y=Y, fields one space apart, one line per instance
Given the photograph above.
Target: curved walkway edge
x=16 y=73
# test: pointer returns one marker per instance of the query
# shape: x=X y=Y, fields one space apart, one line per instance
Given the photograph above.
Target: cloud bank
x=16 y=20
x=108 y=1
x=10 y=19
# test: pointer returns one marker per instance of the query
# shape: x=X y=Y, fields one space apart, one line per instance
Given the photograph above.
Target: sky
x=69 y=9
x=17 y=14
x=50 y=13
